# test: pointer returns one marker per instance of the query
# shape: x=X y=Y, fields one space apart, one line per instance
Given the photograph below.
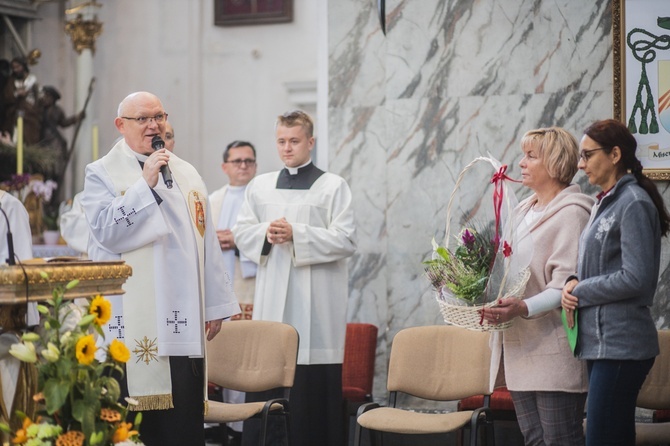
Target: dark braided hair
x=611 y=133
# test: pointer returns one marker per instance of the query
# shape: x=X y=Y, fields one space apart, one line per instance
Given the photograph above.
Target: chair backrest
x=655 y=391
x=253 y=356
x=360 y=347
x=441 y=362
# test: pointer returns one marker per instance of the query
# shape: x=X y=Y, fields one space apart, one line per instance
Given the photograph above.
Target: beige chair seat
x=219 y=412
x=652 y=433
x=399 y=421
x=437 y=363
x=252 y=356
x=655 y=395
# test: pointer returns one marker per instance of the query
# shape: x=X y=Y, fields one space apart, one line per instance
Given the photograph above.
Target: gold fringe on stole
x=206 y=407
x=152 y=402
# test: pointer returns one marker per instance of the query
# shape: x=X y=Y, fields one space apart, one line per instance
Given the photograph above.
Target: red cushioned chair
x=501 y=406
x=358 y=369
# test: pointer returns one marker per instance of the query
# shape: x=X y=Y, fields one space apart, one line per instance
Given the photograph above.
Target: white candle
x=94 y=132
x=19 y=145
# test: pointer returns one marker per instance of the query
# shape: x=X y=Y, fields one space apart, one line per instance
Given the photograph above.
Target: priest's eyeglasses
x=141 y=120
x=246 y=162
x=586 y=154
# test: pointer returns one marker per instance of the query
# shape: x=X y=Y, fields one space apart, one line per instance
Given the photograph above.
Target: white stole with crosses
x=149 y=380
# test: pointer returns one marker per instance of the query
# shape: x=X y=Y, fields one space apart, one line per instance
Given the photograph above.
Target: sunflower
x=101 y=308
x=119 y=351
x=86 y=349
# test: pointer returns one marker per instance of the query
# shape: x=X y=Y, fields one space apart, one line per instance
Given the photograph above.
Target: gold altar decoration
x=83 y=32
x=94 y=278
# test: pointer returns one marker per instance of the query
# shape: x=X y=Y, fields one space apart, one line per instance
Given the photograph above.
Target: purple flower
x=467 y=238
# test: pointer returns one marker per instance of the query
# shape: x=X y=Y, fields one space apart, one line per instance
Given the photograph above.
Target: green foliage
x=75 y=386
x=465 y=271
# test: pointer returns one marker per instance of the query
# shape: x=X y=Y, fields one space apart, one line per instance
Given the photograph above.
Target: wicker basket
x=469 y=317
x=460 y=313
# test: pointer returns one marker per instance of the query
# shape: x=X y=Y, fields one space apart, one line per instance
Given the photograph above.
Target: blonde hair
x=296 y=117
x=557 y=149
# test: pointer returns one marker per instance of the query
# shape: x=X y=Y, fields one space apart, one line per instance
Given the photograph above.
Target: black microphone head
x=157 y=142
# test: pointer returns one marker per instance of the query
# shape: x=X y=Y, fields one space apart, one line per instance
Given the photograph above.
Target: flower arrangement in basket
x=483 y=266
x=78 y=395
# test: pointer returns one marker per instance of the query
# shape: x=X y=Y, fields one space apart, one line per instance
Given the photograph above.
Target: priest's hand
x=226 y=239
x=152 y=166
x=212 y=328
x=280 y=231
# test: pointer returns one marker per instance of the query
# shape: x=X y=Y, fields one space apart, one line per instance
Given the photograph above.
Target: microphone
x=10 y=240
x=157 y=143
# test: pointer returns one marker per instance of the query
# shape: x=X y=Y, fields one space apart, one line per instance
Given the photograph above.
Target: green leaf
x=72 y=284
x=97 y=438
x=443 y=252
x=86 y=320
x=98 y=329
x=5 y=428
x=55 y=394
x=113 y=388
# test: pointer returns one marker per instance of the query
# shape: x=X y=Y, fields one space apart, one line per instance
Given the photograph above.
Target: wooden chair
x=252 y=356
x=358 y=369
x=438 y=363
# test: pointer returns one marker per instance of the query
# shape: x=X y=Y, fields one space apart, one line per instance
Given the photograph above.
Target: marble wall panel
x=450 y=81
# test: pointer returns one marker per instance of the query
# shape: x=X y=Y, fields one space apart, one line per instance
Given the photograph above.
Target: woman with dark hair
x=617 y=274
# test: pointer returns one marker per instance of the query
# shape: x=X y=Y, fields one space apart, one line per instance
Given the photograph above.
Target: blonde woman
x=548 y=385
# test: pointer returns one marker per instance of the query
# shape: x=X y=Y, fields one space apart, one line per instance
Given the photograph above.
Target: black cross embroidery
x=176 y=322
x=119 y=326
x=125 y=217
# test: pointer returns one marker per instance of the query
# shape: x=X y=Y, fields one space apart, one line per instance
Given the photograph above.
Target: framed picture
x=641 y=50
x=252 y=12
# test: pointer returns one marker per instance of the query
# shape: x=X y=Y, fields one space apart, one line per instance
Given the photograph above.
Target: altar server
x=298 y=225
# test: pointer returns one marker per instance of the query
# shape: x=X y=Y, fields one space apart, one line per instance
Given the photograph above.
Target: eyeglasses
x=238 y=163
x=158 y=119
x=587 y=154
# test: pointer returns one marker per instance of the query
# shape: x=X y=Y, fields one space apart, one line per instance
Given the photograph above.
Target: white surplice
x=304 y=282
x=19 y=226
x=168 y=240
x=134 y=219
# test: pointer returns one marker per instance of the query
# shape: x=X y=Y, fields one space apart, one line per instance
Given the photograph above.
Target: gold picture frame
x=641 y=78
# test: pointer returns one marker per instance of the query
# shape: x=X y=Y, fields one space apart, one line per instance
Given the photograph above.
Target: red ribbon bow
x=498 y=193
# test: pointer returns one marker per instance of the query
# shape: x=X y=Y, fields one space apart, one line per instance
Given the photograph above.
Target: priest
x=18 y=379
x=179 y=291
x=298 y=225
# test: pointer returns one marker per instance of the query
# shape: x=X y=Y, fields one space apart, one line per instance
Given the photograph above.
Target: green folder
x=572 y=332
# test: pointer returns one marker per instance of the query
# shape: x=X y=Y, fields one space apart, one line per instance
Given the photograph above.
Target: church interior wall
x=450 y=80
x=217 y=83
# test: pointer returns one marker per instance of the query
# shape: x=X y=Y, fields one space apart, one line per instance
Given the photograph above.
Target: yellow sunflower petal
x=119 y=351
x=85 y=349
x=101 y=308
